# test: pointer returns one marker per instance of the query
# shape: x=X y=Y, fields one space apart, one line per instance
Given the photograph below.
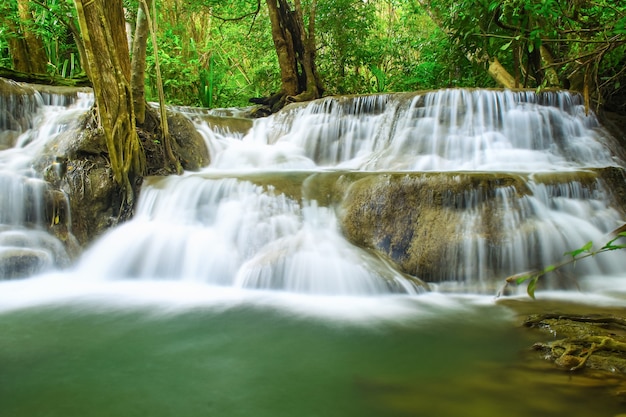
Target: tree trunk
x=19 y=54
x=167 y=139
x=104 y=36
x=35 y=61
x=295 y=48
x=138 y=63
x=284 y=44
x=547 y=61
x=500 y=75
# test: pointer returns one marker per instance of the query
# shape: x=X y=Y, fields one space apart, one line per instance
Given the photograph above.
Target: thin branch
x=547 y=40
x=254 y=14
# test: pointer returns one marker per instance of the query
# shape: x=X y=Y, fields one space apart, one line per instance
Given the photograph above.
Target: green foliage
x=211 y=62
x=582 y=42
x=585 y=251
x=50 y=20
x=369 y=47
x=216 y=53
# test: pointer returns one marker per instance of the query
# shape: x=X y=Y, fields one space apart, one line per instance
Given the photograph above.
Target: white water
x=23 y=219
x=213 y=228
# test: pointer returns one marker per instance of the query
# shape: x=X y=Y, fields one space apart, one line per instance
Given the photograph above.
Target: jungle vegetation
x=219 y=54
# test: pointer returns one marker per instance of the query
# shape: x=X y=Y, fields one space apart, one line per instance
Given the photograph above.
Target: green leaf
x=532 y=285
x=578 y=251
x=611 y=246
x=506 y=46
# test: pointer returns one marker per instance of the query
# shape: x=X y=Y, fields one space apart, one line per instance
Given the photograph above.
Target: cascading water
x=550 y=150
x=27 y=204
x=235 y=224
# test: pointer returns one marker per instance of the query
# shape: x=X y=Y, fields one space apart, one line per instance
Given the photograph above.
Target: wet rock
x=594 y=345
x=26 y=252
x=23 y=262
x=189 y=145
x=413 y=218
x=615 y=179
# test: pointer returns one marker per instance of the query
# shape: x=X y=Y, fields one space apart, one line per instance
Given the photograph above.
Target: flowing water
x=234 y=291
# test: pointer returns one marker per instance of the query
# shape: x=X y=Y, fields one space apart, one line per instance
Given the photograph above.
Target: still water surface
x=206 y=351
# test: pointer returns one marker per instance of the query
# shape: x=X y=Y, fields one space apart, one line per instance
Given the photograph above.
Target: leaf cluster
x=585 y=251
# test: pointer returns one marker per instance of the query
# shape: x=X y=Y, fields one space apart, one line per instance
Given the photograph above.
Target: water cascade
x=360 y=195
x=29 y=120
x=457 y=187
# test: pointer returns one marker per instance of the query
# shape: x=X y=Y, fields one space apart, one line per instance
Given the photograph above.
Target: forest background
x=221 y=54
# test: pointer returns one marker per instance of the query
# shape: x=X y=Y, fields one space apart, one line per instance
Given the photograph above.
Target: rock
x=592 y=345
x=413 y=218
x=26 y=252
x=23 y=262
x=188 y=144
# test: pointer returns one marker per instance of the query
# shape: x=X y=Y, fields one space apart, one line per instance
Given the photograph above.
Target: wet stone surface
x=589 y=347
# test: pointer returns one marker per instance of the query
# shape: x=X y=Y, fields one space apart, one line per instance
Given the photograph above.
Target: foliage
x=51 y=20
x=216 y=53
x=573 y=44
x=585 y=251
x=209 y=61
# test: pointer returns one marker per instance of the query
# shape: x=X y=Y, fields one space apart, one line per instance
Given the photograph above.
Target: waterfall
x=362 y=195
x=31 y=119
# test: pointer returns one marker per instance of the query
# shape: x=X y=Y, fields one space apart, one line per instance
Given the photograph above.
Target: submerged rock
x=592 y=346
x=595 y=342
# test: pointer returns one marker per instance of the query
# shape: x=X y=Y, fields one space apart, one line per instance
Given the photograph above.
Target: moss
x=594 y=345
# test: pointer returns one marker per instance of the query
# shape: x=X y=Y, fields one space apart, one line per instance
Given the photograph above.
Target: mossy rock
x=583 y=341
x=188 y=145
x=414 y=218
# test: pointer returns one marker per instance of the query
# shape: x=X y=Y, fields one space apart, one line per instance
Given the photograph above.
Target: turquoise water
x=262 y=354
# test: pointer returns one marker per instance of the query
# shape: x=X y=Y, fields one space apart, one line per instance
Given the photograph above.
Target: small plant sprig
x=585 y=251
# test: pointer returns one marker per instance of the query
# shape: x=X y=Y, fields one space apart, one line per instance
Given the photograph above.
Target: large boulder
x=76 y=162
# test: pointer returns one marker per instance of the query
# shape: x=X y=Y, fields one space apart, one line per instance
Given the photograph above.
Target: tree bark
x=295 y=48
x=104 y=36
x=284 y=45
x=36 y=59
x=500 y=75
x=138 y=63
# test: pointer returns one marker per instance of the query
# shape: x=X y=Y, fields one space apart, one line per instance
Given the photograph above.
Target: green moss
x=596 y=342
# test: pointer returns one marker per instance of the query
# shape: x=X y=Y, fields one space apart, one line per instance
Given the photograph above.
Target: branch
x=547 y=40
x=254 y=14
x=576 y=255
